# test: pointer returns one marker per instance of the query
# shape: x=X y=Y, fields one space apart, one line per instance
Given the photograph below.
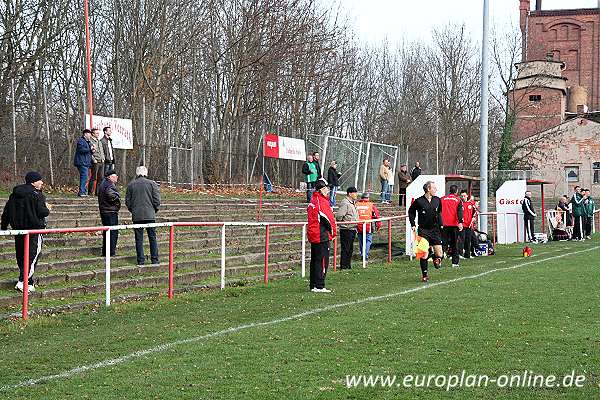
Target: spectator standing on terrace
x=109 y=203
x=347 y=212
x=321 y=229
x=316 y=160
x=528 y=217
x=97 y=168
x=416 y=171
x=333 y=178
x=108 y=149
x=83 y=160
x=143 y=200
x=588 y=208
x=384 y=178
x=366 y=211
x=26 y=208
x=577 y=205
x=309 y=169
x=404 y=180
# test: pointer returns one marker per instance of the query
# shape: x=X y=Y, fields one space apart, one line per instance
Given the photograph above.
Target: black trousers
x=319 y=261
x=110 y=219
x=529 y=229
x=466 y=237
x=587 y=225
x=310 y=189
x=347 y=237
x=35 y=250
x=578 y=228
x=139 y=243
x=451 y=238
x=402 y=199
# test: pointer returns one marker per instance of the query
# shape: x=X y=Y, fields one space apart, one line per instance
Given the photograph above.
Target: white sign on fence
x=122 y=130
x=509 y=198
x=413 y=192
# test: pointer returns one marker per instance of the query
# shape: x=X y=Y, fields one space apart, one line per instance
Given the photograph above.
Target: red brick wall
x=536 y=116
x=573 y=36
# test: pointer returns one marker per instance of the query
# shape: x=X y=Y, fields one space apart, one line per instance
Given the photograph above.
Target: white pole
x=192 y=167
x=107 y=266
x=483 y=125
x=506 y=228
x=364 y=245
x=364 y=182
x=303 y=250
x=170 y=166
x=323 y=159
x=48 y=134
x=437 y=152
x=144 y=130
x=14 y=125
x=358 y=165
x=223 y=257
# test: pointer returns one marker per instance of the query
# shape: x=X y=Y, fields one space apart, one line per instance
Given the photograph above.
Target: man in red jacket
x=321 y=229
x=468 y=218
x=452 y=221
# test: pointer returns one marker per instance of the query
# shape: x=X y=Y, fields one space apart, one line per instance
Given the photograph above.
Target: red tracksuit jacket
x=452 y=210
x=321 y=221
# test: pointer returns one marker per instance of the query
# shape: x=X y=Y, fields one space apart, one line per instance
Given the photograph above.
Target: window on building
x=535 y=97
x=596 y=169
x=572 y=174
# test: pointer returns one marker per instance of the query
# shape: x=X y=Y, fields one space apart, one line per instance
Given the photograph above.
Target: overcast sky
x=397 y=20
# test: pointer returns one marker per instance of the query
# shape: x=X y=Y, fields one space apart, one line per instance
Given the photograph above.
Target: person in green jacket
x=311 y=174
x=577 y=203
x=588 y=208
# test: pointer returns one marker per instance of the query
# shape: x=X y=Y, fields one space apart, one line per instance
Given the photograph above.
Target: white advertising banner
x=413 y=192
x=509 y=198
x=122 y=130
x=292 y=148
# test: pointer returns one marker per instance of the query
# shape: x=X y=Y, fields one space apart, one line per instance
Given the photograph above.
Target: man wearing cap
x=26 y=208
x=142 y=199
x=321 y=229
x=83 y=160
x=109 y=203
x=347 y=212
x=366 y=211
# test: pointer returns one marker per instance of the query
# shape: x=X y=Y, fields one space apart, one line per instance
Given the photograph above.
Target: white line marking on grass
x=167 y=346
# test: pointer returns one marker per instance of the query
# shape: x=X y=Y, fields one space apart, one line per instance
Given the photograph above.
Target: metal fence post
x=171 y=240
x=223 y=256
x=364 y=245
x=389 y=241
x=107 y=235
x=267 y=238
x=25 y=311
x=303 y=250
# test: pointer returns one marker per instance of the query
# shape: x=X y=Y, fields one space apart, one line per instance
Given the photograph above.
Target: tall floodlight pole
x=88 y=60
x=483 y=125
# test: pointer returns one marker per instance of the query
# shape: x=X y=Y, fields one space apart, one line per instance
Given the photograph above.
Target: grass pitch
x=280 y=341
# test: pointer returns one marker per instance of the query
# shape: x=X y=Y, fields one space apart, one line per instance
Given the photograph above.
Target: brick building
x=556 y=96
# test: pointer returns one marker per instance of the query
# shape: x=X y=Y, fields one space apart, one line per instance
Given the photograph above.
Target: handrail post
x=108 y=235
x=364 y=245
x=171 y=241
x=335 y=254
x=267 y=238
x=25 y=312
x=389 y=259
x=303 y=250
x=223 y=256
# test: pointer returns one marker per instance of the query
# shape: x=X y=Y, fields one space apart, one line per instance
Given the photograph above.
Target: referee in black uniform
x=429 y=209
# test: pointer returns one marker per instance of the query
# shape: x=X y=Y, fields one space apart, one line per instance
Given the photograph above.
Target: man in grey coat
x=347 y=212
x=143 y=200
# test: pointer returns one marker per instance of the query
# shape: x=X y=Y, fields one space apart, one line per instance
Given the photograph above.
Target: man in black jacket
x=429 y=209
x=109 y=203
x=26 y=209
x=333 y=178
x=143 y=200
x=416 y=171
x=528 y=217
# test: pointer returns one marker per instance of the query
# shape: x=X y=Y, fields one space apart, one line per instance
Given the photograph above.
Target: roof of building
x=580 y=120
x=560 y=13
